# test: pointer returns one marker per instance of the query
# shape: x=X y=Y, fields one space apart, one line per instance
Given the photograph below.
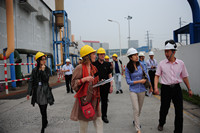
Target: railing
x=6 y=81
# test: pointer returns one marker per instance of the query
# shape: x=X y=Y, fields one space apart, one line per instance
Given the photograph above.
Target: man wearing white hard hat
x=141 y=60
x=67 y=69
x=172 y=72
x=80 y=60
x=151 y=66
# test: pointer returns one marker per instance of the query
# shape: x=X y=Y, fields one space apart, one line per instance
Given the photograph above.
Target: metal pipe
x=54 y=54
x=28 y=62
x=10 y=29
x=51 y=65
x=68 y=40
x=65 y=39
x=12 y=70
x=32 y=61
x=61 y=51
x=195 y=10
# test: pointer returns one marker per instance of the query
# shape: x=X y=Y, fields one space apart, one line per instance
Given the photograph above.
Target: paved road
x=18 y=116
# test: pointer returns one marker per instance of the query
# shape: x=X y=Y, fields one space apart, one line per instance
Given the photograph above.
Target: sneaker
x=121 y=91
x=160 y=128
x=117 y=92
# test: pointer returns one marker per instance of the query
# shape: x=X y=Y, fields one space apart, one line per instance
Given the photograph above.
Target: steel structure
x=192 y=28
x=65 y=41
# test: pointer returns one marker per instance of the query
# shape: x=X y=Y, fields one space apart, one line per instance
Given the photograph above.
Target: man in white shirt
x=67 y=69
x=151 y=66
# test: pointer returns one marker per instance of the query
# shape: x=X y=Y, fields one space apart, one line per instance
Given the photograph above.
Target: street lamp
x=119 y=34
x=129 y=18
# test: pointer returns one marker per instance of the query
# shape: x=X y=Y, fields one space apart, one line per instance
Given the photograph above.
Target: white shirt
x=68 y=67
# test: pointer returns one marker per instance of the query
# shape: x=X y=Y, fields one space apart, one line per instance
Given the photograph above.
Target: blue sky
x=89 y=20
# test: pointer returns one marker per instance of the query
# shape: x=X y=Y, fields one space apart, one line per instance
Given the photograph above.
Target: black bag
x=147 y=84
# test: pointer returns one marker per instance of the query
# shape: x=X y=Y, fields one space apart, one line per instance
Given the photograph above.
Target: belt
x=171 y=86
x=152 y=70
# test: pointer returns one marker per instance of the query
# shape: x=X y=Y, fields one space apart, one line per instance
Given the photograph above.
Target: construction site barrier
x=6 y=73
x=15 y=64
x=60 y=75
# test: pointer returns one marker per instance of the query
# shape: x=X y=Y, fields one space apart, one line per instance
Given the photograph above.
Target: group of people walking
x=90 y=71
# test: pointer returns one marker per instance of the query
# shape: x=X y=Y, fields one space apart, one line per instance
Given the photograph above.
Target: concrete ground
x=18 y=115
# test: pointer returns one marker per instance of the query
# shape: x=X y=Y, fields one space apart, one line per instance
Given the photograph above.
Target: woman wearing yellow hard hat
x=39 y=87
x=83 y=78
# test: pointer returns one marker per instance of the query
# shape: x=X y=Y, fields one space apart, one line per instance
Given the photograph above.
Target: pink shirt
x=171 y=73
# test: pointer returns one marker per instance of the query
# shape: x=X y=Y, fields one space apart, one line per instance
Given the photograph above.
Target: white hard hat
x=80 y=58
x=131 y=51
x=169 y=46
x=67 y=60
x=151 y=53
x=141 y=54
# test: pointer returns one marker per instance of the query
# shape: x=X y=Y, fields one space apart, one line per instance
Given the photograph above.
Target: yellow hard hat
x=114 y=55
x=101 y=51
x=85 y=50
x=106 y=57
x=38 y=55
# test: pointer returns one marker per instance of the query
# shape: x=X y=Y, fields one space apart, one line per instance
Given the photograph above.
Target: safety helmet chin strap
x=171 y=55
x=90 y=58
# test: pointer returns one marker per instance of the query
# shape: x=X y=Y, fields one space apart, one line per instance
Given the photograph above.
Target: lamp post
x=129 y=18
x=119 y=34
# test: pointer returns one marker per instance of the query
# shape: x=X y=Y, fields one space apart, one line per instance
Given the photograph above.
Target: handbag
x=147 y=84
x=87 y=109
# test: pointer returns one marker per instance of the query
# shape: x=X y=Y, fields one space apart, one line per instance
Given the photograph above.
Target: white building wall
x=190 y=55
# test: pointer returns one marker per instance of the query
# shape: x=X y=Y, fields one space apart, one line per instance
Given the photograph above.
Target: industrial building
x=35 y=29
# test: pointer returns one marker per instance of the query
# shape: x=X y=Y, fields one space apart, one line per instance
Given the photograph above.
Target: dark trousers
x=104 y=91
x=43 y=111
x=68 y=79
x=152 y=76
x=175 y=94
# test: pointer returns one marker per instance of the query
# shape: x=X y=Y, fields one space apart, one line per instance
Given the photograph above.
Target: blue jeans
x=117 y=78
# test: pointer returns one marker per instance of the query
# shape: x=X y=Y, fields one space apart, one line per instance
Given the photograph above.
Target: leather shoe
x=105 y=119
x=42 y=130
x=160 y=128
